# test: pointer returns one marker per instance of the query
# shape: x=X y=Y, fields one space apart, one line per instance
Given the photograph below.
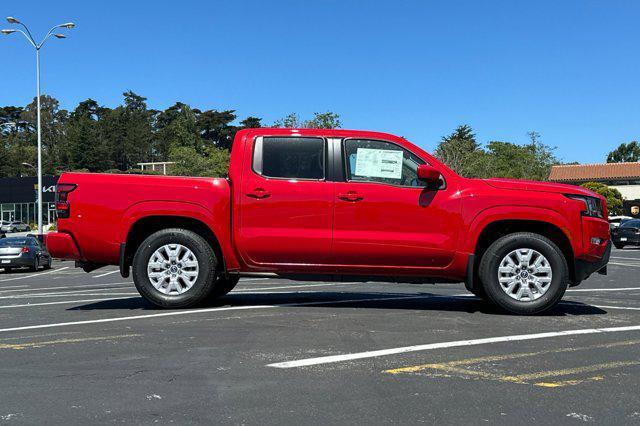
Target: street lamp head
x=60 y=36
x=7 y=32
x=68 y=25
x=12 y=20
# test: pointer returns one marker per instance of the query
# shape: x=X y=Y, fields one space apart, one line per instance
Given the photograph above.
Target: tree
x=176 y=126
x=532 y=161
x=251 y=123
x=626 y=152
x=85 y=146
x=216 y=129
x=613 y=196
x=327 y=120
x=53 y=121
x=461 y=151
x=129 y=132
x=213 y=163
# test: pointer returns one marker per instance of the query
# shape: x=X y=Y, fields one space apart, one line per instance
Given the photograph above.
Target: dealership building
x=625 y=177
x=18 y=199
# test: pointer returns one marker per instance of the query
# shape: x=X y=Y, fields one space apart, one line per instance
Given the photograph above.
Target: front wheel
x=524 y=273
x=175 y=268
x=619 y=246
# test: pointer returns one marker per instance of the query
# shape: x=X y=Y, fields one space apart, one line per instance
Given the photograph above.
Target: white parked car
x=14 y=226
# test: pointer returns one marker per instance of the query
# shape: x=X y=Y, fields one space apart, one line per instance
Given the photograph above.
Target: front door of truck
x=385 y=218
x=286 y=203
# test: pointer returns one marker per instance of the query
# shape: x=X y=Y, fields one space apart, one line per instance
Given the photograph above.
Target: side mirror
x=428 y=173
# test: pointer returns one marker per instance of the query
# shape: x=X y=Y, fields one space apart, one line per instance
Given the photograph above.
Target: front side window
x=384 y=162
x=289 y=157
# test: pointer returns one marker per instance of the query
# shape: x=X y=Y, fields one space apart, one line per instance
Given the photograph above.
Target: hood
x=532 y=185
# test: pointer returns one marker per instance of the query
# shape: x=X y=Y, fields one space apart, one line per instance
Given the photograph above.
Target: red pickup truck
x=333 y=203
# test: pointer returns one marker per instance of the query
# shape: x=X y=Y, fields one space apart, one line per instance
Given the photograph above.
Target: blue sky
x=566 y=69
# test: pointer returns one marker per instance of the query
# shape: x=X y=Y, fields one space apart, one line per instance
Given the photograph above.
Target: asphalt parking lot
x=79 y=347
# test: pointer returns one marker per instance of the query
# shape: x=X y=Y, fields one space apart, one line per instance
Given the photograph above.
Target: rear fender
x=218 y=221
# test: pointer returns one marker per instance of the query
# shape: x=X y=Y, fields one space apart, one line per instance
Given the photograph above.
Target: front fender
x=519 y=212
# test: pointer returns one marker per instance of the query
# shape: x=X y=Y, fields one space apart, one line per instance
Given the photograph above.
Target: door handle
x=259 y=193
x=350 y=196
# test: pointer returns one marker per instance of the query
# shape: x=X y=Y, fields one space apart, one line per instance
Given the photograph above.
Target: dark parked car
x=627 y=234
x=14 y=226
x=17 y=252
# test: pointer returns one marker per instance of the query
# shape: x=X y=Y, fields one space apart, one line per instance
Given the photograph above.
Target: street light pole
x=37 y=47
x=39 y=199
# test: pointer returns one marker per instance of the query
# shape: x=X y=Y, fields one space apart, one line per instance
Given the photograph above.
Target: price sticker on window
x=381 y=163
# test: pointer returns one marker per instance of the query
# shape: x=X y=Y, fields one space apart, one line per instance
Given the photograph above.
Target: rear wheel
x=36 y=265
x=48 y=264
x=175 y=268
x=524 y=273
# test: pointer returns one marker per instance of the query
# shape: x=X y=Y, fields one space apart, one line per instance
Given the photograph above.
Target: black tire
x=204 y=285
x=48 y=264
x=35 y=266
x=490 y=263
x=619 y=246
x=224 y=285
x=7 y=269
x=14 y=230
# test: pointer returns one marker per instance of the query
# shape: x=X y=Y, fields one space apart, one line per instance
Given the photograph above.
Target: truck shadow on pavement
x=358 y=300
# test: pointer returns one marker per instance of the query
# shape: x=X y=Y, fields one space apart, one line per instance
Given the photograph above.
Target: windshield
x=634 y=223
x=13 y=242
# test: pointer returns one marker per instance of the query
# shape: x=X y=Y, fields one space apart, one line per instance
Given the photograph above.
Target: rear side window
x=289 y=157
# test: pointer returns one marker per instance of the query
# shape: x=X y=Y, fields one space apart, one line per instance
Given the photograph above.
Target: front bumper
x=632 y=240
x=62 y=246
x=585 y=268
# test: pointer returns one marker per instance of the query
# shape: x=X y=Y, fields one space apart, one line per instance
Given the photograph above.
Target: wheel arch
x=147 y=225
x=499 y=228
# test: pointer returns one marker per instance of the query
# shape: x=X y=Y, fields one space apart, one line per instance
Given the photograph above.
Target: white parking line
x=205 y=310
x=62 y=302
x=453 y=344
x=34 y=275
x=62 y=287
x=106 y=273
x=65 y=294
x=628 y=308
x=637 y=259
x=623 y=264
x=15 y=286
x=603 y=289
x=290 y=286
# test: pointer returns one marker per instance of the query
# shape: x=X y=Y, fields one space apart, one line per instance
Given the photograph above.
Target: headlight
x=592 y=205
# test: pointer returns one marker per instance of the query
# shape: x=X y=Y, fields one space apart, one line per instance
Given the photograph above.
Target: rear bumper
x=585 y=268
x=16 y=262
x=62 y=246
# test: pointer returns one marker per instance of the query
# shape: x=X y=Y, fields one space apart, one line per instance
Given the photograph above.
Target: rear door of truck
x=285 y=202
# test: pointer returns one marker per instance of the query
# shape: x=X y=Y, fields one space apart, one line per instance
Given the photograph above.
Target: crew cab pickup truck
x=333 y=203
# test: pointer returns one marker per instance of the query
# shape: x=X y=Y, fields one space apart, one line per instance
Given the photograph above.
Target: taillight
x=25 y=249
x=63 y=209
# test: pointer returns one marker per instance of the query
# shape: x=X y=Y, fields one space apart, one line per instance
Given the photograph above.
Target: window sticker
x=381 y=163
